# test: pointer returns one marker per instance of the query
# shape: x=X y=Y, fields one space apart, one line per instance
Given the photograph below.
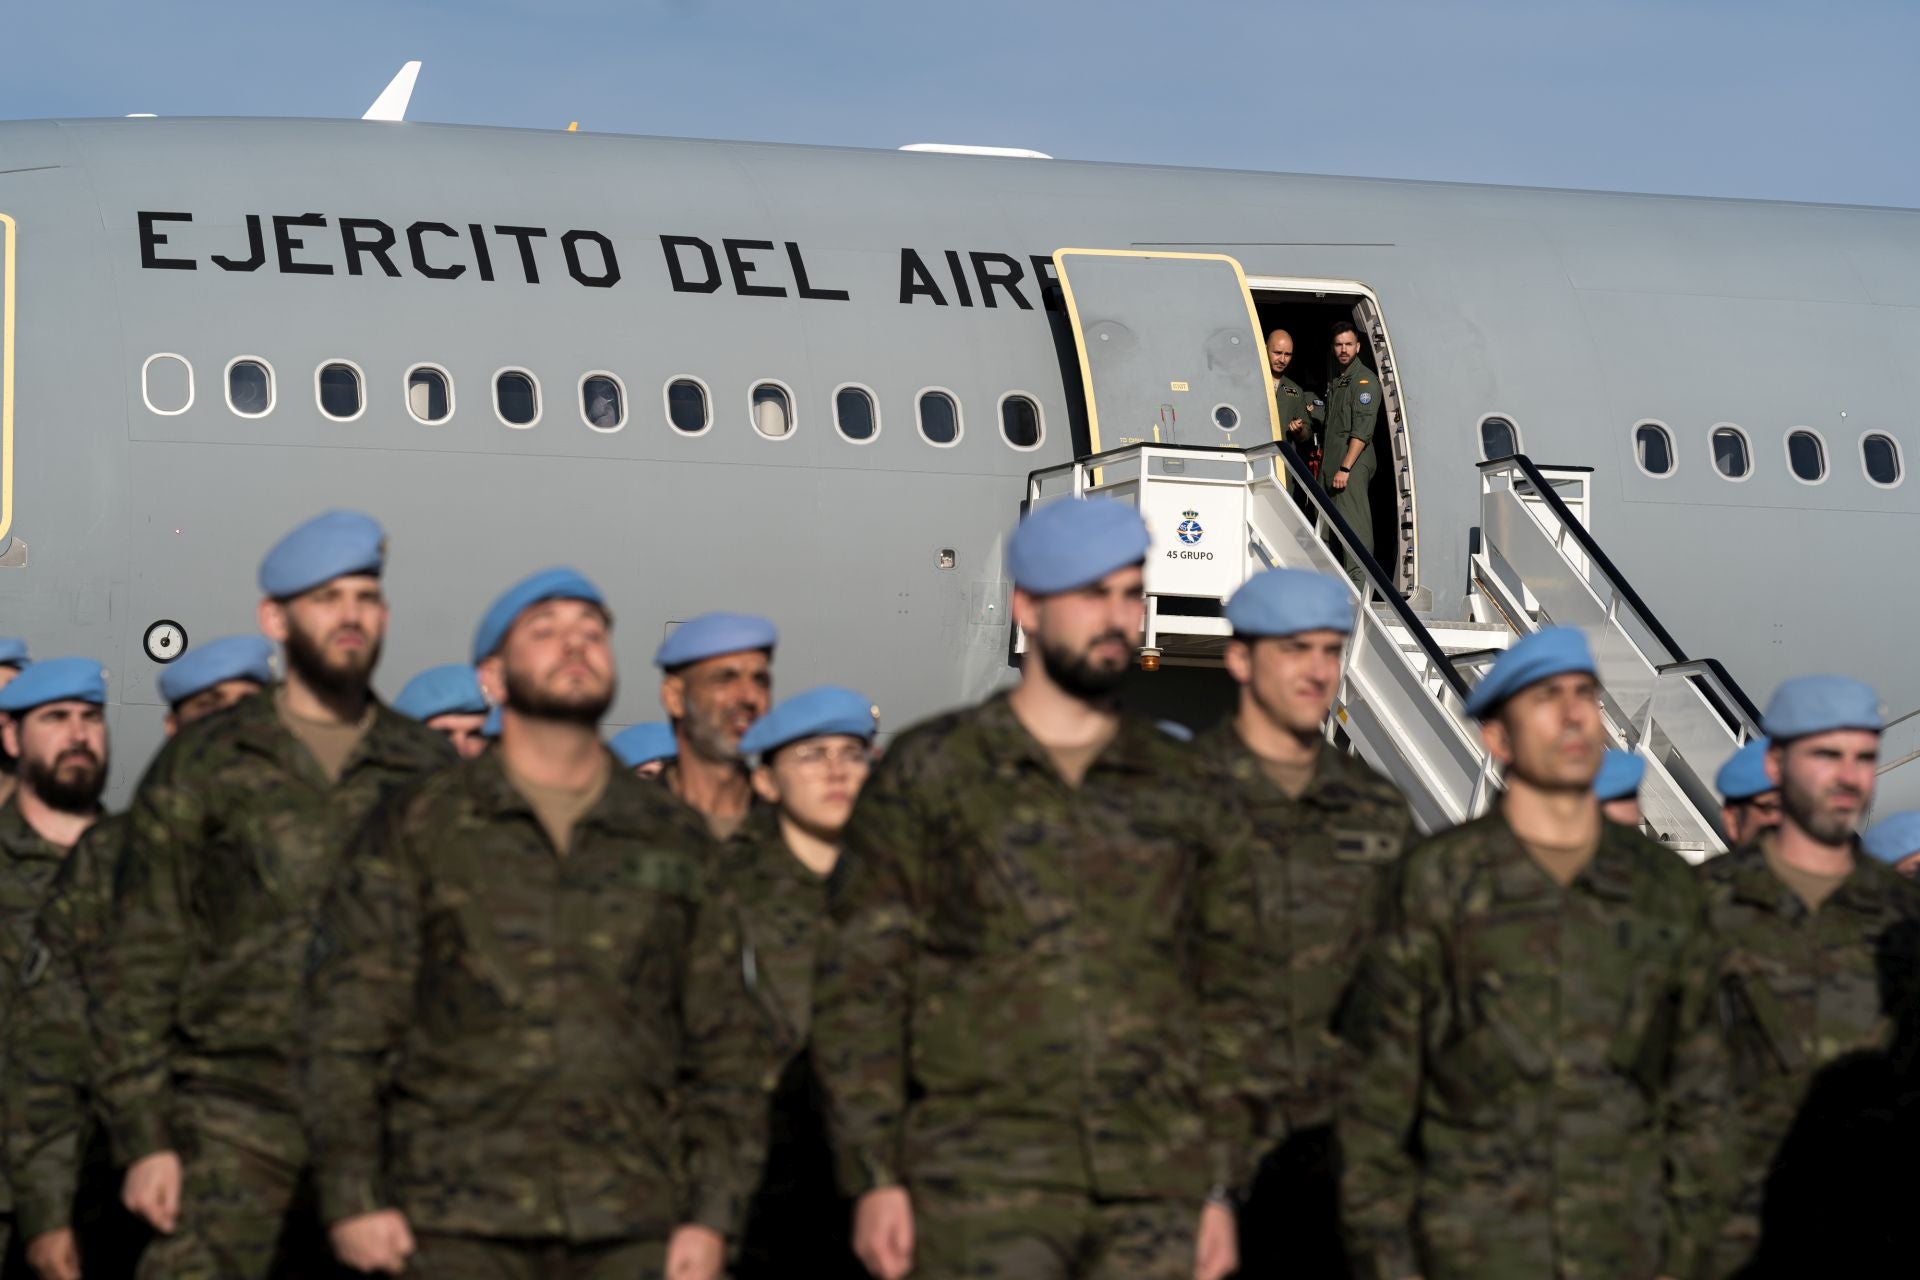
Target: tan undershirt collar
x=1810 y=887
x=328 y=741
x=559 y=809
x=1562 y=862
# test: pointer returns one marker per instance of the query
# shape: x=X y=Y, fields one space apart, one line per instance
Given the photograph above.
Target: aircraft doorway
x=1308 y=310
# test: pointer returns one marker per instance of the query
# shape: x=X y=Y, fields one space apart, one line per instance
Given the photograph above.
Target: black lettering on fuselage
x=609 y=265
x=151 y=240
x=1043 y=274
x=671 y=246
x=959 y=275
x=285 y=242
x=482 y=256
x=804 y=285
x=741 y=268
x=525 y=236
x=379 y=246
x=417 y=250
x=1008 y=277
x=916 y=280
x=256 y=250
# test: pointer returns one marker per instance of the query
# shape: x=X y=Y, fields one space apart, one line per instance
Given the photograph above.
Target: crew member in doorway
x=1617 y=786
x=1301 y=414
x=1353 y=409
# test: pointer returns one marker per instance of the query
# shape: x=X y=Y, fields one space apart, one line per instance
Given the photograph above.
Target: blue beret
x=206 y=665
x=642 y=743
x=1820 y=704
x=491 y=729
x=813 y=714
x=1893 y=838
x=442 y=691
x=712 y=634
x=1745 y=775
x=1286 y=602
x=55 y=680
x=1620 y=775
x=331 y=545
x=1549 y=652
x=1071 y=542
x=548 y=584
x=13 y=653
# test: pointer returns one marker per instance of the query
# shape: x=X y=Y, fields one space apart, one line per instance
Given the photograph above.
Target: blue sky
x=1709 y=97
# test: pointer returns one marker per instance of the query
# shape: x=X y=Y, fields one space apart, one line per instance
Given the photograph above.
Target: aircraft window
x=855 y=413
x=516 y=397
x=687 y=406
x=1731 y=457
x=166 y=384
x=429 y=394
x=338 y=386
x=1020 y=421
x=1653 y=448
x=1807 y=456
x=1499 y=438
x=250 y=388
x=602 y=402
x=1881 y=454
x=772 y=406
x=939 y=417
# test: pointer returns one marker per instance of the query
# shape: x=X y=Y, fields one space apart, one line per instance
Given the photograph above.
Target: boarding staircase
x=1220 y=515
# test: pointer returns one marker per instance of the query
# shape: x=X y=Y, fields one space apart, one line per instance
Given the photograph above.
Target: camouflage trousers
x=476 y=1258
x=1290 y=1224
x=996 y=1233
x=245 y=1214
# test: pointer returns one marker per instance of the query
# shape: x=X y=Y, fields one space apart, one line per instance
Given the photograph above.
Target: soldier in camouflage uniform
x=1538 y=1067
x=232 y=837
x=814 y=752
x=1805 y=923
x=716 y=679
x=53 y=1147
x=51 y=721
x=1327 y=827
x=531 y=1050
x=1019 y=1009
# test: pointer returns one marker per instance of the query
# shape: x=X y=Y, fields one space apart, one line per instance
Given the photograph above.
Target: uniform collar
x=1330 y=788
x=20 y=840
x=1134 y=749
x=1608 y=874
x=1865 y=888
x=255 y=725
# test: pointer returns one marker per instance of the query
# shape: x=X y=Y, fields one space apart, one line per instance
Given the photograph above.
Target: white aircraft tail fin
x=392 y=102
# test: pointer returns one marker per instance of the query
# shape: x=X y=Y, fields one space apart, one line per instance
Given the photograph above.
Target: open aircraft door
x=1170 y=349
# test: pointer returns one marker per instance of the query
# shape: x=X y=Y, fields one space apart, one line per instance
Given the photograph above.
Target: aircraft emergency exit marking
x=315 y=244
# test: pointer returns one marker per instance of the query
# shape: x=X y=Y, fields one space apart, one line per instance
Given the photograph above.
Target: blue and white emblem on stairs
x=1189 y=529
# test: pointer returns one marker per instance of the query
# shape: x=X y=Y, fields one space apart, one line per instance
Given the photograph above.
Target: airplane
x=812 y=382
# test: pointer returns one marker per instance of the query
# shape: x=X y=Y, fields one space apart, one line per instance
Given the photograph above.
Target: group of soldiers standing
x=1047 y=990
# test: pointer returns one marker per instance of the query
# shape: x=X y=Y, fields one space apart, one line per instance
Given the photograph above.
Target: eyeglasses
x=822 y=756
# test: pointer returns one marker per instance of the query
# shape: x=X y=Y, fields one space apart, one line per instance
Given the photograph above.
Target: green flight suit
x=1353 y=412
x=233 y=835
x=1304 y=916
x=1026 y=1010
x=1799 y=991
x=1538 y=1067
x=521 y=1048
x=1297 y=403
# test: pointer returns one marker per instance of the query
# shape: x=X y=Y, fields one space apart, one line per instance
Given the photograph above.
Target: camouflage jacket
x=233 y=836
x=1551 y=1056
x=509 y=1042
x=49 y=1078
x=1303 y=916
x=28 y=865
x=1026 y=982
x=782 y=915
x=1798 y=990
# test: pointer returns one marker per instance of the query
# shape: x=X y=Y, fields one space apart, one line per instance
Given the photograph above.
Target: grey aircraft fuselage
x=1575 y=315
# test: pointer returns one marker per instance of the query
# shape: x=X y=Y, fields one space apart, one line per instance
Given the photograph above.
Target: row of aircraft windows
x=1732 y=451
x=166 y=383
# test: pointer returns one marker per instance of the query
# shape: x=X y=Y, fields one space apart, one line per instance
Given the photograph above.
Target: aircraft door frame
x=1177 y=387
